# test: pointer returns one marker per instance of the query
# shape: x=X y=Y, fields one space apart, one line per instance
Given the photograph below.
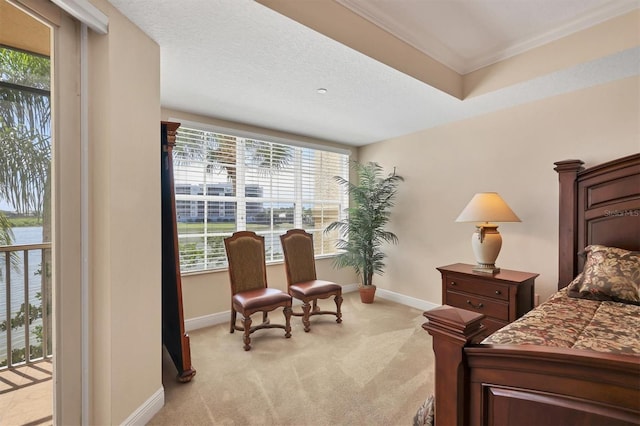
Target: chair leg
x=246 y=322
x=287 y=321
x=232 y=325
x=338 y=300
x=306 y=308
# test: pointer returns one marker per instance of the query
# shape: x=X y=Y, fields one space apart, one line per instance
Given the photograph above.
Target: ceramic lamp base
x=486 y=243
x=486 y=269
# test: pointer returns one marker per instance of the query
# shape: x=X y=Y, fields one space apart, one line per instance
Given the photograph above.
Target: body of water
x=23 y=235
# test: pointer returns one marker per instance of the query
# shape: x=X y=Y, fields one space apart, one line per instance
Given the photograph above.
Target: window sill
x=224 y=270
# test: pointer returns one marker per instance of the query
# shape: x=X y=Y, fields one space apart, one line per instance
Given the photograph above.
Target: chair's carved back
x=247 y=267
x=300 y=263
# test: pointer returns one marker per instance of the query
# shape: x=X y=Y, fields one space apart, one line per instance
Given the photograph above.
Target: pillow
x=609 y=274
x=425 y=414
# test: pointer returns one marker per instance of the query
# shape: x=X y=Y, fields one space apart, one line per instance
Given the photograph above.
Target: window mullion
x=297 y=216
x=205 y=214
x=241 y=170
x=344 y=196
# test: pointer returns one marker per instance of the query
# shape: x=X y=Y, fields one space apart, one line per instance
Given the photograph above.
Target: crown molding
x=609 y=11
x=438 y=51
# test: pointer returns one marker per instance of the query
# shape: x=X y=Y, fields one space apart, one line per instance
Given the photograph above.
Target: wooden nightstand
x=501 y=297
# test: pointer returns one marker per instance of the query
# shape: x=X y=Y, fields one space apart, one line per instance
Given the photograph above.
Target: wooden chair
x=302 y=282
x=249 y=290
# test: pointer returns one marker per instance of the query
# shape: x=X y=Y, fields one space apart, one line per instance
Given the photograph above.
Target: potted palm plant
x=362 y=233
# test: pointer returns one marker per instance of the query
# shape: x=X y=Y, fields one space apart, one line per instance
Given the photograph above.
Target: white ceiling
x=238 y=60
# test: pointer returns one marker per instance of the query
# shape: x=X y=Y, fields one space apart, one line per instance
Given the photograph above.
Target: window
x=25 y=220
x=226 y=183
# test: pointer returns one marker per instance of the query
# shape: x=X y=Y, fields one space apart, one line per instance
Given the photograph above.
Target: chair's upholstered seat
x=260 y=297
x=249 y=290
x=302 y=281
x=313 y=288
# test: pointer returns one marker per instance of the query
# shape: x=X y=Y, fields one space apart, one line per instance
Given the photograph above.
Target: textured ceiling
x=238 y=60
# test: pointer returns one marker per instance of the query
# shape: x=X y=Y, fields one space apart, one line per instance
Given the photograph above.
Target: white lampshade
x=487 y=207
x=486 y=241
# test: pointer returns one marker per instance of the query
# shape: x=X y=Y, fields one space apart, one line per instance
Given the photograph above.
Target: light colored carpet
x=376 y=368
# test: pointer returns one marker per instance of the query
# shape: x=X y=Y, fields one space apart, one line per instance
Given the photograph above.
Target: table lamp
x=484 y=208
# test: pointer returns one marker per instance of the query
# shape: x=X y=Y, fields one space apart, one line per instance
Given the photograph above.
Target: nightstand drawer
x=502 y=297
x=478 y=287
x=489 y=307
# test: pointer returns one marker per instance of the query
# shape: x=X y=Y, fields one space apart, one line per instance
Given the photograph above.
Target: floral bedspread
x=569 y=322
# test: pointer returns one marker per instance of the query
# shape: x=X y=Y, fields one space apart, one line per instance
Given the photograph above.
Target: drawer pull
x=453 y=283
x=478 y=306
x=498 y=292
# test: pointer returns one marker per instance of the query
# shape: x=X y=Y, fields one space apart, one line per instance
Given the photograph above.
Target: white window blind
x=226 y=183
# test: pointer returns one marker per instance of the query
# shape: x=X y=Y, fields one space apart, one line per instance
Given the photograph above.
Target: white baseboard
x=405 y=300
x=146 y=411
x=223 y=317
x=206 y=321
x=348 y=288
x=395 y=297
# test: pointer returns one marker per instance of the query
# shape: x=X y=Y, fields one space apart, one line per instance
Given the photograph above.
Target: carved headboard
x=598 y=205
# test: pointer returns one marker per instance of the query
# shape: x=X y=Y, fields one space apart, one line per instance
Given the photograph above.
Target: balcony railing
x=25 y=304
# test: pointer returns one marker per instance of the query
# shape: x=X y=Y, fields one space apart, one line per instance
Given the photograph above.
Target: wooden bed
x=482 y=384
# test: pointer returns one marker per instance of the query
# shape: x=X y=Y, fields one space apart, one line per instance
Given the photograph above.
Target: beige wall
x=511 y=152
x=125 y=330
x=508 y=151
x=208 y=293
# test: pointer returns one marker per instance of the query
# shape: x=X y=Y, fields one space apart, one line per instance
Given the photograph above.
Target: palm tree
x=25 y=142
x=220 y=153
x=25 y=121
x=362 y=232
x=6 y=239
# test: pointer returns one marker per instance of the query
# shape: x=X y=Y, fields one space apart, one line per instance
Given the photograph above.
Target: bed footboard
x=526 y=385
x=452 y=329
